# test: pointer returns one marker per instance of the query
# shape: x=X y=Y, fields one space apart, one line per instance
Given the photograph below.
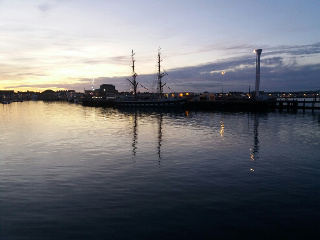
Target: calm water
x=73 y=172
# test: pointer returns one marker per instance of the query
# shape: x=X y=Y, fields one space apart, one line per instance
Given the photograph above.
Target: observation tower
x=258 y=53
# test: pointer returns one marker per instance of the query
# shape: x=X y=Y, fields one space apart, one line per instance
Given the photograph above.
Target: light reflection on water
x=73 y=172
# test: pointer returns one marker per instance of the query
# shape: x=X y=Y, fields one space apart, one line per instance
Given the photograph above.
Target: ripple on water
x=93 y=172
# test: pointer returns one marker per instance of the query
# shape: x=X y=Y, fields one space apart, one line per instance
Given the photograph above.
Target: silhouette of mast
x=134 y=76
x=160 y=76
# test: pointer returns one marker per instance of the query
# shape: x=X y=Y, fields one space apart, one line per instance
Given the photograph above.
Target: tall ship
x=157 y=100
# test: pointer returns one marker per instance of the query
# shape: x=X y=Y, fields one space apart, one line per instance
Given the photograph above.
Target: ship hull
x=151 y=104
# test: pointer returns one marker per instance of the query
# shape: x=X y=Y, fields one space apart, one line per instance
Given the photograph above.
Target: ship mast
x=160 y=76
x=134 y=75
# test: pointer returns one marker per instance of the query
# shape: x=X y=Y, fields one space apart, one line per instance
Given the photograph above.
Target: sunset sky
x=64 y=44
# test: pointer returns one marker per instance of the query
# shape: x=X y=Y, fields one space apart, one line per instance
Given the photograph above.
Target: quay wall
x=97 y=103
x=202 y=105
x=230 y=105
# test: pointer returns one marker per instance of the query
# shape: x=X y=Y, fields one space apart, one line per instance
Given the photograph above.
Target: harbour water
x=74 y=172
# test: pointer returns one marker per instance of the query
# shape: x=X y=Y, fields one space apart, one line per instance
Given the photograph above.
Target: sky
x=77 y=44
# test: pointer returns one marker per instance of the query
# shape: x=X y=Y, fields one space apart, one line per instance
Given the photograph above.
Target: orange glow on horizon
x=34 y=89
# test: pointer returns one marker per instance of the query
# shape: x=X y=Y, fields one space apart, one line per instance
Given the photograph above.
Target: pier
x=230 y=105
x=294 y=104
x=269 y=105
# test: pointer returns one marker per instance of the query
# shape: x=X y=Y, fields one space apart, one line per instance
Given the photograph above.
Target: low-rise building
x=6 y=94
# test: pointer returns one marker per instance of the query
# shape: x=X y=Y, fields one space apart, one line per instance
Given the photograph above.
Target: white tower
x=258 y=53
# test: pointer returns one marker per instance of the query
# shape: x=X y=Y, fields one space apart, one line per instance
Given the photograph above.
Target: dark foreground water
x=73 y=172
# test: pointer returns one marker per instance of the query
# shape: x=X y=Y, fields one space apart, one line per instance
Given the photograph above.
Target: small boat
x=157 y=101
x=6 y=101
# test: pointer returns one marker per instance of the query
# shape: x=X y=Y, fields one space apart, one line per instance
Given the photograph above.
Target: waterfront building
x=206 y=97
x=108 y=88
x=6 y=93
x=107 y=91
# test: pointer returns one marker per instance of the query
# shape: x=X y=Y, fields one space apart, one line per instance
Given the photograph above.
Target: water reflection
x=255 y=136
x=254 y=151
x=221 y=128
x=160 y=119
x=316 y=116
x=135 y=133
x=145 y=131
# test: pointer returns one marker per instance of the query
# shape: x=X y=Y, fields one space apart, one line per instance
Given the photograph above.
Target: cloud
x=45 y=7
x=296 y=50
x=278 y=73
x=283 y=68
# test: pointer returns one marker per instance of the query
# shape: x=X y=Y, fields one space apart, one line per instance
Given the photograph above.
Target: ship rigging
x=133 y=81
